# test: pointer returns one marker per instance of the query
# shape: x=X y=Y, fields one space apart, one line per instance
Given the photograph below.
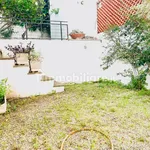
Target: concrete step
x=59 y=89
x=23 y=84
x=29 y=88
x=58 y=84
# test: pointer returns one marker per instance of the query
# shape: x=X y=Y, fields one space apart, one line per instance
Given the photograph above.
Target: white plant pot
x=3 y=107
x=35 y=65
x=22 y=58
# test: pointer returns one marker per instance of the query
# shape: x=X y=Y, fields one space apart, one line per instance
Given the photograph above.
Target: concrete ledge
x=18 y=66
x=84 y=40
x=58 y=84
x=34 y=72
x=59 y=89
x=6 y=58
x=30 y=88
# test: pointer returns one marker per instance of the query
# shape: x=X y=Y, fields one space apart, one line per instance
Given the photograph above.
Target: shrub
x=20 y=49
x=110 y=82
x=130 y=44
x=138 y=82
x=35 y=56
x=3 y=90
x=76 y=32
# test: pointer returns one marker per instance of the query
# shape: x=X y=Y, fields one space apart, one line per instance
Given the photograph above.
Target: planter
x=35 y=66
x=77 y=35
x=22 y=58
x=3 y=106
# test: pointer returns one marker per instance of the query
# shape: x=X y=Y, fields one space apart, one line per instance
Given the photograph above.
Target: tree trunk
x=25 y=34
x=30 y=69
x=135 y=71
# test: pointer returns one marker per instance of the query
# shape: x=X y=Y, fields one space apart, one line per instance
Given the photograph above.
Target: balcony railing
x=59 y=30
x=50 y=30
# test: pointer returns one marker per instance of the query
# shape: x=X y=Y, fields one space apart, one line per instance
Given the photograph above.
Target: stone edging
x=6 y=58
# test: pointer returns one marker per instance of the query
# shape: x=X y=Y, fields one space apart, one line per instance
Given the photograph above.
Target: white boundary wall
x=68 y=61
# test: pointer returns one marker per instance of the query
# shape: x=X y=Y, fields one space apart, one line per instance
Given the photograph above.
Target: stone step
x=29 y=88
x=58 y=84
x=59 y=89
x=23 y=84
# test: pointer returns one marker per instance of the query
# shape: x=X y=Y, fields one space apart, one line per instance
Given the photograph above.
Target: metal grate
x=40 y=29
x=59 y=30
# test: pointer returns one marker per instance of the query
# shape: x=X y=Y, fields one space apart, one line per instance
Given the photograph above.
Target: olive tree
x=130 y=43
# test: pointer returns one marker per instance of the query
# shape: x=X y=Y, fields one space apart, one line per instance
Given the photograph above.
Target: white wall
x=82 y=17
x=70 y=61
x=71 y=58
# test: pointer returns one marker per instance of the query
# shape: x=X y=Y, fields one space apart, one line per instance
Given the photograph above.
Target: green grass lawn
x=42 y=122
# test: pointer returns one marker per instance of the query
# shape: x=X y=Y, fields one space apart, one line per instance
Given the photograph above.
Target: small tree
x=20 y=49
x=130 y=43
x=20 y=12
x=31 y=14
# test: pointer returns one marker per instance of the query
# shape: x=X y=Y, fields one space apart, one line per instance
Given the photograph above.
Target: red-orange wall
x=112 y=12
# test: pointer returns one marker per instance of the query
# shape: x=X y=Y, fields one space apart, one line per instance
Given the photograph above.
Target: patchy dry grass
x=42 y=122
